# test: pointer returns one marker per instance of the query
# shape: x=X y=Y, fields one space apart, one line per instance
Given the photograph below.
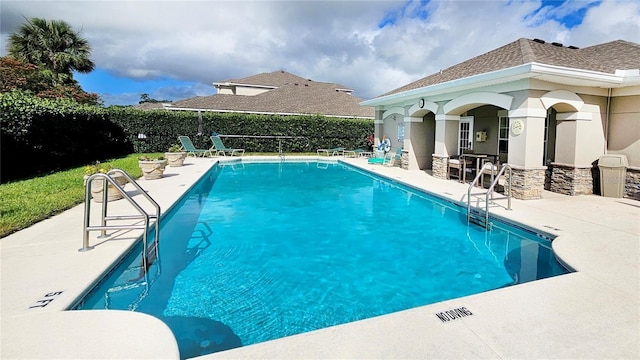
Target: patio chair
x=459 y=164
x=187 y=145
x=390 y=158
x=219 y=147
x=331 y=152
x=357 y=153
x=490 y=170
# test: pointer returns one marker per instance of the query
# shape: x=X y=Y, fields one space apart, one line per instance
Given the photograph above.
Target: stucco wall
x=390 y=129
x=485 y=118
x=423 y=141
x=580 y=138
x=624 y=128
x=590 y=137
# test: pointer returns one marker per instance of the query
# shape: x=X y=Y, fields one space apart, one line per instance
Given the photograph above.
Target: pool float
x=385 y=145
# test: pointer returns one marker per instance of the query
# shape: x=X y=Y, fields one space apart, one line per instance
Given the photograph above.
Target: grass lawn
x=26 y=202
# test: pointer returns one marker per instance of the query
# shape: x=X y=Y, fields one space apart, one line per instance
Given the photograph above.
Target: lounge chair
x=357 y=153
x=391 y=158
x=187 y=145
x=388 y=159
x=219 y=148
x=331 y=152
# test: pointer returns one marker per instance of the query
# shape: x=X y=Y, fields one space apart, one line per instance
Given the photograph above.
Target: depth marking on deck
x=46 y=299
x=453 y=314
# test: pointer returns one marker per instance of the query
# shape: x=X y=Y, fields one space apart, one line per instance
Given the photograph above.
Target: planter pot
x=112 y=193
x=175 y=159
x=152 y=169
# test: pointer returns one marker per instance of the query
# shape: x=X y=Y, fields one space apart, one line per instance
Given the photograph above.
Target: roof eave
x=552 y=73
x=470 y=82
x=572 y=76
x=266 y=112
x=230 y=84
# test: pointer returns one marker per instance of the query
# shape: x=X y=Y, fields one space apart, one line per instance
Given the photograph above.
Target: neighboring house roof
x=150 y=106
x=290 y=94
x=273 y=80
x=605 y=58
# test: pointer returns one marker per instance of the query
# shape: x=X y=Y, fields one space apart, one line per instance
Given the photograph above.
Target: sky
x=173 y=50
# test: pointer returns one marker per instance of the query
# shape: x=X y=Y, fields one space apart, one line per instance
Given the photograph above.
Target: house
x=278 y=92
x=550 y=111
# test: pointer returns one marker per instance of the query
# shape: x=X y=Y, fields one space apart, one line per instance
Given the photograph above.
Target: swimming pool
x=259 y=251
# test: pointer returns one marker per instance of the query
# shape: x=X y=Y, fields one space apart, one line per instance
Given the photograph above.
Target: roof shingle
x=607 y=58
x=302 y=96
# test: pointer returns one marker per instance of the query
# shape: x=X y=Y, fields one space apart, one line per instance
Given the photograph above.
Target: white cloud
x=333 y=41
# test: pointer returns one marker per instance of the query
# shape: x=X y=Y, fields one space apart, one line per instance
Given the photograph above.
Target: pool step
x=477 y=217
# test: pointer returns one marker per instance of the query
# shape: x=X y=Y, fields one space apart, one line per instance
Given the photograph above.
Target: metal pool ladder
x=476 y=214
x=142 y=214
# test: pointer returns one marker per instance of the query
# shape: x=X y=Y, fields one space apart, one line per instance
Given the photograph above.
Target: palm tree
x=53 y=46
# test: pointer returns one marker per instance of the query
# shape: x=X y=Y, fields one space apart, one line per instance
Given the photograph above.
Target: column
x=446 y=143
x=414 y=144
x=579 y=141
x=526 y=148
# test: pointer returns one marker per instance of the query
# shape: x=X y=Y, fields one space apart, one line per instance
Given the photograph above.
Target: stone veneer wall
x=571 y=180
x=404 y=160
x=527 y=184
x=632 y=183
x=439 y=166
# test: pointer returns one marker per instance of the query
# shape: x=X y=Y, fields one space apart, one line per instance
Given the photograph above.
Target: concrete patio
x=592 y=313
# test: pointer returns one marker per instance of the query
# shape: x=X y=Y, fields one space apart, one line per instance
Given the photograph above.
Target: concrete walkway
x=591 y=313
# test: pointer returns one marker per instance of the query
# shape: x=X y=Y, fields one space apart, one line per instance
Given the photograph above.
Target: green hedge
x=39 y=136
x=56 y=135
x=161 y=128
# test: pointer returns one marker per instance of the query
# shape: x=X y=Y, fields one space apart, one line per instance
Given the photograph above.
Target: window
x=546 y=140
x=465 y=134
x=503 y=137
x=548 y=155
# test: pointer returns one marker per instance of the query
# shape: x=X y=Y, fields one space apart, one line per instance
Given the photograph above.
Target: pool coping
x=570 y=316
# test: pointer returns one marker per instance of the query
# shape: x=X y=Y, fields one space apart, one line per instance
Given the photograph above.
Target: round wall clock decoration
x=517 y=126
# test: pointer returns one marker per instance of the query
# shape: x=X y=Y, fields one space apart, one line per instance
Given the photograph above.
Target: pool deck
x=592 y=313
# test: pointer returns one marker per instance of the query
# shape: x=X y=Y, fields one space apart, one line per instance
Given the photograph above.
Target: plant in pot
x=152 y=167
x=97 y=184
x=175 y=156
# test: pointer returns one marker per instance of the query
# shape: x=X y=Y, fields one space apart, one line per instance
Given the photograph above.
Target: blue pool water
x=259 y=251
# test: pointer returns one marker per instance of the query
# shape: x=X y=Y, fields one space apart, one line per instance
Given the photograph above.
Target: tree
x=145 y=98
x=16 y=75
x=42 y=57
x=54 y=47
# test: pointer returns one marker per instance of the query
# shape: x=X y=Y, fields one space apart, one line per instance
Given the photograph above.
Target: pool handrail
x=103 y=227
x=489 y=193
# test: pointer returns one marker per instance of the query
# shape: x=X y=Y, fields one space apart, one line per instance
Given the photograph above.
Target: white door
x=465 y=134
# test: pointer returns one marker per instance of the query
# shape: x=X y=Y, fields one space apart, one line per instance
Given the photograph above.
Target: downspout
x=606 y=123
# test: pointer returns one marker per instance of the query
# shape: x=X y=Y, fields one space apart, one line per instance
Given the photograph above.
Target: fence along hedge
x=41 y=135
x=161 y=128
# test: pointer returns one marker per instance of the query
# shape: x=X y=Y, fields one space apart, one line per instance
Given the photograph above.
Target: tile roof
x=150 y=106
x=293 y=95
x=275 y=79
x=605 y=58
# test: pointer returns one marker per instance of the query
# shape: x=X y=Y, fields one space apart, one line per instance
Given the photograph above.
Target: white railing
x=103 y=227
x=489 y=193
